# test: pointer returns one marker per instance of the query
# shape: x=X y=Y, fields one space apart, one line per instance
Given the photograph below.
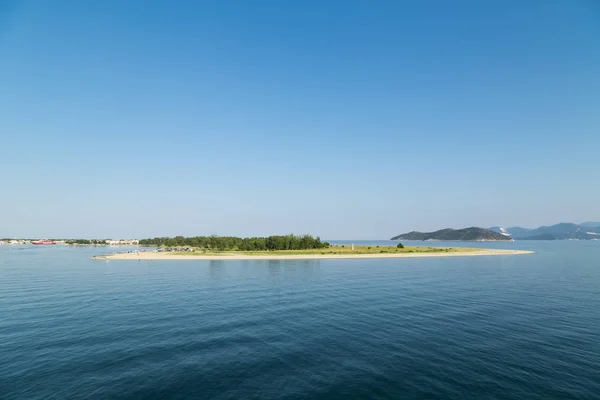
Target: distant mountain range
x=562 y=231
x=466 y=234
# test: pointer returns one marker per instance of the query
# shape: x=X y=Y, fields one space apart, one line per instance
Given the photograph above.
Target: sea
x=493 y=327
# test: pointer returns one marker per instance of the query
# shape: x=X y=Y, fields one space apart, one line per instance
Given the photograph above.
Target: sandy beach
x=153 y=255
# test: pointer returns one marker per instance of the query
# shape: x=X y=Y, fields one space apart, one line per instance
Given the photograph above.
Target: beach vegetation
x=331 y=250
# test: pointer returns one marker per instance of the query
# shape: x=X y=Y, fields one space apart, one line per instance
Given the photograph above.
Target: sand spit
x=154 y=255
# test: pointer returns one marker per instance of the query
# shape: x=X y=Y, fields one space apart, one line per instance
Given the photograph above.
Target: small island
x=288 y=247
x=472 y=234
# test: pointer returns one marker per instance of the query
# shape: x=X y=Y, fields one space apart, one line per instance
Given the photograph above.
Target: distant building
x=15 y=241
x=123 y=242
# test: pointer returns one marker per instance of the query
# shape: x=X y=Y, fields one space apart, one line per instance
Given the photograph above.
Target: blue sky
x=344 y=119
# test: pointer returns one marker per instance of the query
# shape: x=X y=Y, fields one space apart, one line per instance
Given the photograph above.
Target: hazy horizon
x=337 y=119
x=276 y=233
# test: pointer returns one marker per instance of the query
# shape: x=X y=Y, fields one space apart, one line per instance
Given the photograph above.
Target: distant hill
x=590 y=224
x=466 y=234
x=499 y=229
x=543 y=236
x=514 y=231
x=562 y=231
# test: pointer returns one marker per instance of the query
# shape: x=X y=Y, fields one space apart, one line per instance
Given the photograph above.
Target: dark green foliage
x=400 y=246
x=288 y=242
x=85 y=241
x=79 y=241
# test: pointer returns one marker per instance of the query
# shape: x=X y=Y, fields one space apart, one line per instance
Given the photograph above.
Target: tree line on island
x=231 y=243
x=87 y=241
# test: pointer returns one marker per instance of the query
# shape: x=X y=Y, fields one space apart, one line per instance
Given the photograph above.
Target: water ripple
x=476 y=328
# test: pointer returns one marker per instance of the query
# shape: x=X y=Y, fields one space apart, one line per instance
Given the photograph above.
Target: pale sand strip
x=151 y=255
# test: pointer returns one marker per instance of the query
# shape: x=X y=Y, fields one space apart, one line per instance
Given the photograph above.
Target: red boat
x=45 y=241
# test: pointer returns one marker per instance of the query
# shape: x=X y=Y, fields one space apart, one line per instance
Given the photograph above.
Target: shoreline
x=157 y=256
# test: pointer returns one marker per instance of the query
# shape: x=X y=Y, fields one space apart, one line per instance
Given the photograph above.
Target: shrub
x=400 y=246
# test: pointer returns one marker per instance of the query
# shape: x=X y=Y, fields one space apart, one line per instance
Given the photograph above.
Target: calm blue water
x=510 y=327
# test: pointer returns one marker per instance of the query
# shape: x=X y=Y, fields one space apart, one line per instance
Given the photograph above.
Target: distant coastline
x=75 y=242
x=562 y=231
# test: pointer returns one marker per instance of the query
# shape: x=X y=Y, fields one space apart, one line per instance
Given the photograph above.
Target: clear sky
x=344 y=119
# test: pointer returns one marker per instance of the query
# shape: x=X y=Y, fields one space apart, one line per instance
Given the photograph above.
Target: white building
x=123 y=242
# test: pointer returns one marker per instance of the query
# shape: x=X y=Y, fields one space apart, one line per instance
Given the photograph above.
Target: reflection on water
x=292 y=269
x=216 y=269
x=274 y=268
